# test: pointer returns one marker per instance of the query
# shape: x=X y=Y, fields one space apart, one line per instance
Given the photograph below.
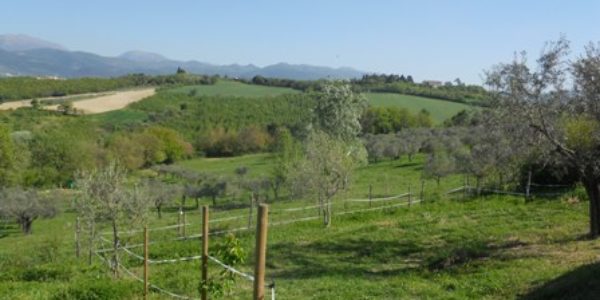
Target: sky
x=430 y=40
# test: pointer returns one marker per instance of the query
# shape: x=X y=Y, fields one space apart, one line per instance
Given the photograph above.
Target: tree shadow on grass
x=341 y=258
x=407 y=164
x=362 y=257
x=581 y=283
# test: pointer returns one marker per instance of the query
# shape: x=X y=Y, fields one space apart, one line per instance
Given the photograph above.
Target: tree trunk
x=214 y=200
x=158 y=211
x=328 y=213
x=77 y=234
x=197 y=202
x=592 y=187
x=528 y=187
x=91 y=243
x=276 y=192
x=25 y=225
x=410 y=157
x=250 y=210
x=115 y=249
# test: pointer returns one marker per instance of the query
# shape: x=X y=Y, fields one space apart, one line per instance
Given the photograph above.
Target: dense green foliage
x=227 y=125
x=459 y=92
x=302 y=85
x=376 y=120
x=15 y=88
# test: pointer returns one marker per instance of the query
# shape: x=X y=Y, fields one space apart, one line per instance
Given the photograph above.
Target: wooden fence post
x=77 y=234
x=422 y=190
x=179 y=221
x=250 y=210
x=409 y=195
x=146 y=283
x=204 y=283
x=183 y=228
x=370 y=194
x=261 y=252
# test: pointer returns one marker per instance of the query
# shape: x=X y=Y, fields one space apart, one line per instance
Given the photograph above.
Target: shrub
x=94 y=289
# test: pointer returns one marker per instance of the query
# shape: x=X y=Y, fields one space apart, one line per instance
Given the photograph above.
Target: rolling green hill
x=494 y=247
x=440 y=109
x=234 y=88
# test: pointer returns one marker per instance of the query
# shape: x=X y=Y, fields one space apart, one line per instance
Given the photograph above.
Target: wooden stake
x=183 y=228
x=370 y=194
x=77 y=242
x=466 y=186
x=528 y=188
x=146 y=284
x=422 y=190
x=204 y=289
x=179 y=221
x=409 y=196
x=250 y=210
x=261 y=252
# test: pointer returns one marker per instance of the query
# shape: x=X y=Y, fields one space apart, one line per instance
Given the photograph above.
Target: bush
x=47 y=273
x=92 y=289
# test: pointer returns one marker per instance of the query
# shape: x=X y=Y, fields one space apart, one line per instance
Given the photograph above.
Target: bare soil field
x=96 y=103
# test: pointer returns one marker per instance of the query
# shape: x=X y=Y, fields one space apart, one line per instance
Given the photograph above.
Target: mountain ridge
x=29 y=56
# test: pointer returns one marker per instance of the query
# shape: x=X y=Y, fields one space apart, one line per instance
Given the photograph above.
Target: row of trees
x=302 y=85
x=376 y=79
x=15 y=88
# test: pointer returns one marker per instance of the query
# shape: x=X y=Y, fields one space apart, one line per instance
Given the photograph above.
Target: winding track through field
x=95 y=105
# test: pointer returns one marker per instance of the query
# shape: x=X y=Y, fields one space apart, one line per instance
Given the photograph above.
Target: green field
x=494 y=247
x=440 y=109
x=234 y=88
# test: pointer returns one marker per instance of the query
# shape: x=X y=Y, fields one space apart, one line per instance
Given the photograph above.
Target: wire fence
x=285 y=212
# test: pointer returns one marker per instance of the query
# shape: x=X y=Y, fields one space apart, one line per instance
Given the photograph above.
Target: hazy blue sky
x=428 y=39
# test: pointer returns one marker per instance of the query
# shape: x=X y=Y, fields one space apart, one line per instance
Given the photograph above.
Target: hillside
x=442 y=248
x=440 y=109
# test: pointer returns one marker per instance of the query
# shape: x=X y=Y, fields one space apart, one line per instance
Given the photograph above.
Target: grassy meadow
x=440 y=109
x=493 y=247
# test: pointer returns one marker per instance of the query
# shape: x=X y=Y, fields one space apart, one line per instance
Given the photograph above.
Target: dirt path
x=94 y=105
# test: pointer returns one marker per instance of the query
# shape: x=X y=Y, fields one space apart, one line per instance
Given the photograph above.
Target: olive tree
x=106 y=196
x=160 y=193
x=536 y=107
x=326 y=168
x=338 y=110
x=25 y=206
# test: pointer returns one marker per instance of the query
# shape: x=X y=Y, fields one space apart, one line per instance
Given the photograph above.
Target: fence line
x=454 y=190
x=380 y=207
x=175 y=226
x=458 y=189
x=231 y=269
x=153 y=286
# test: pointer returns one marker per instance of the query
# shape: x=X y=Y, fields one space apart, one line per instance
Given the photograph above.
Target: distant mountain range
x=22 y=55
